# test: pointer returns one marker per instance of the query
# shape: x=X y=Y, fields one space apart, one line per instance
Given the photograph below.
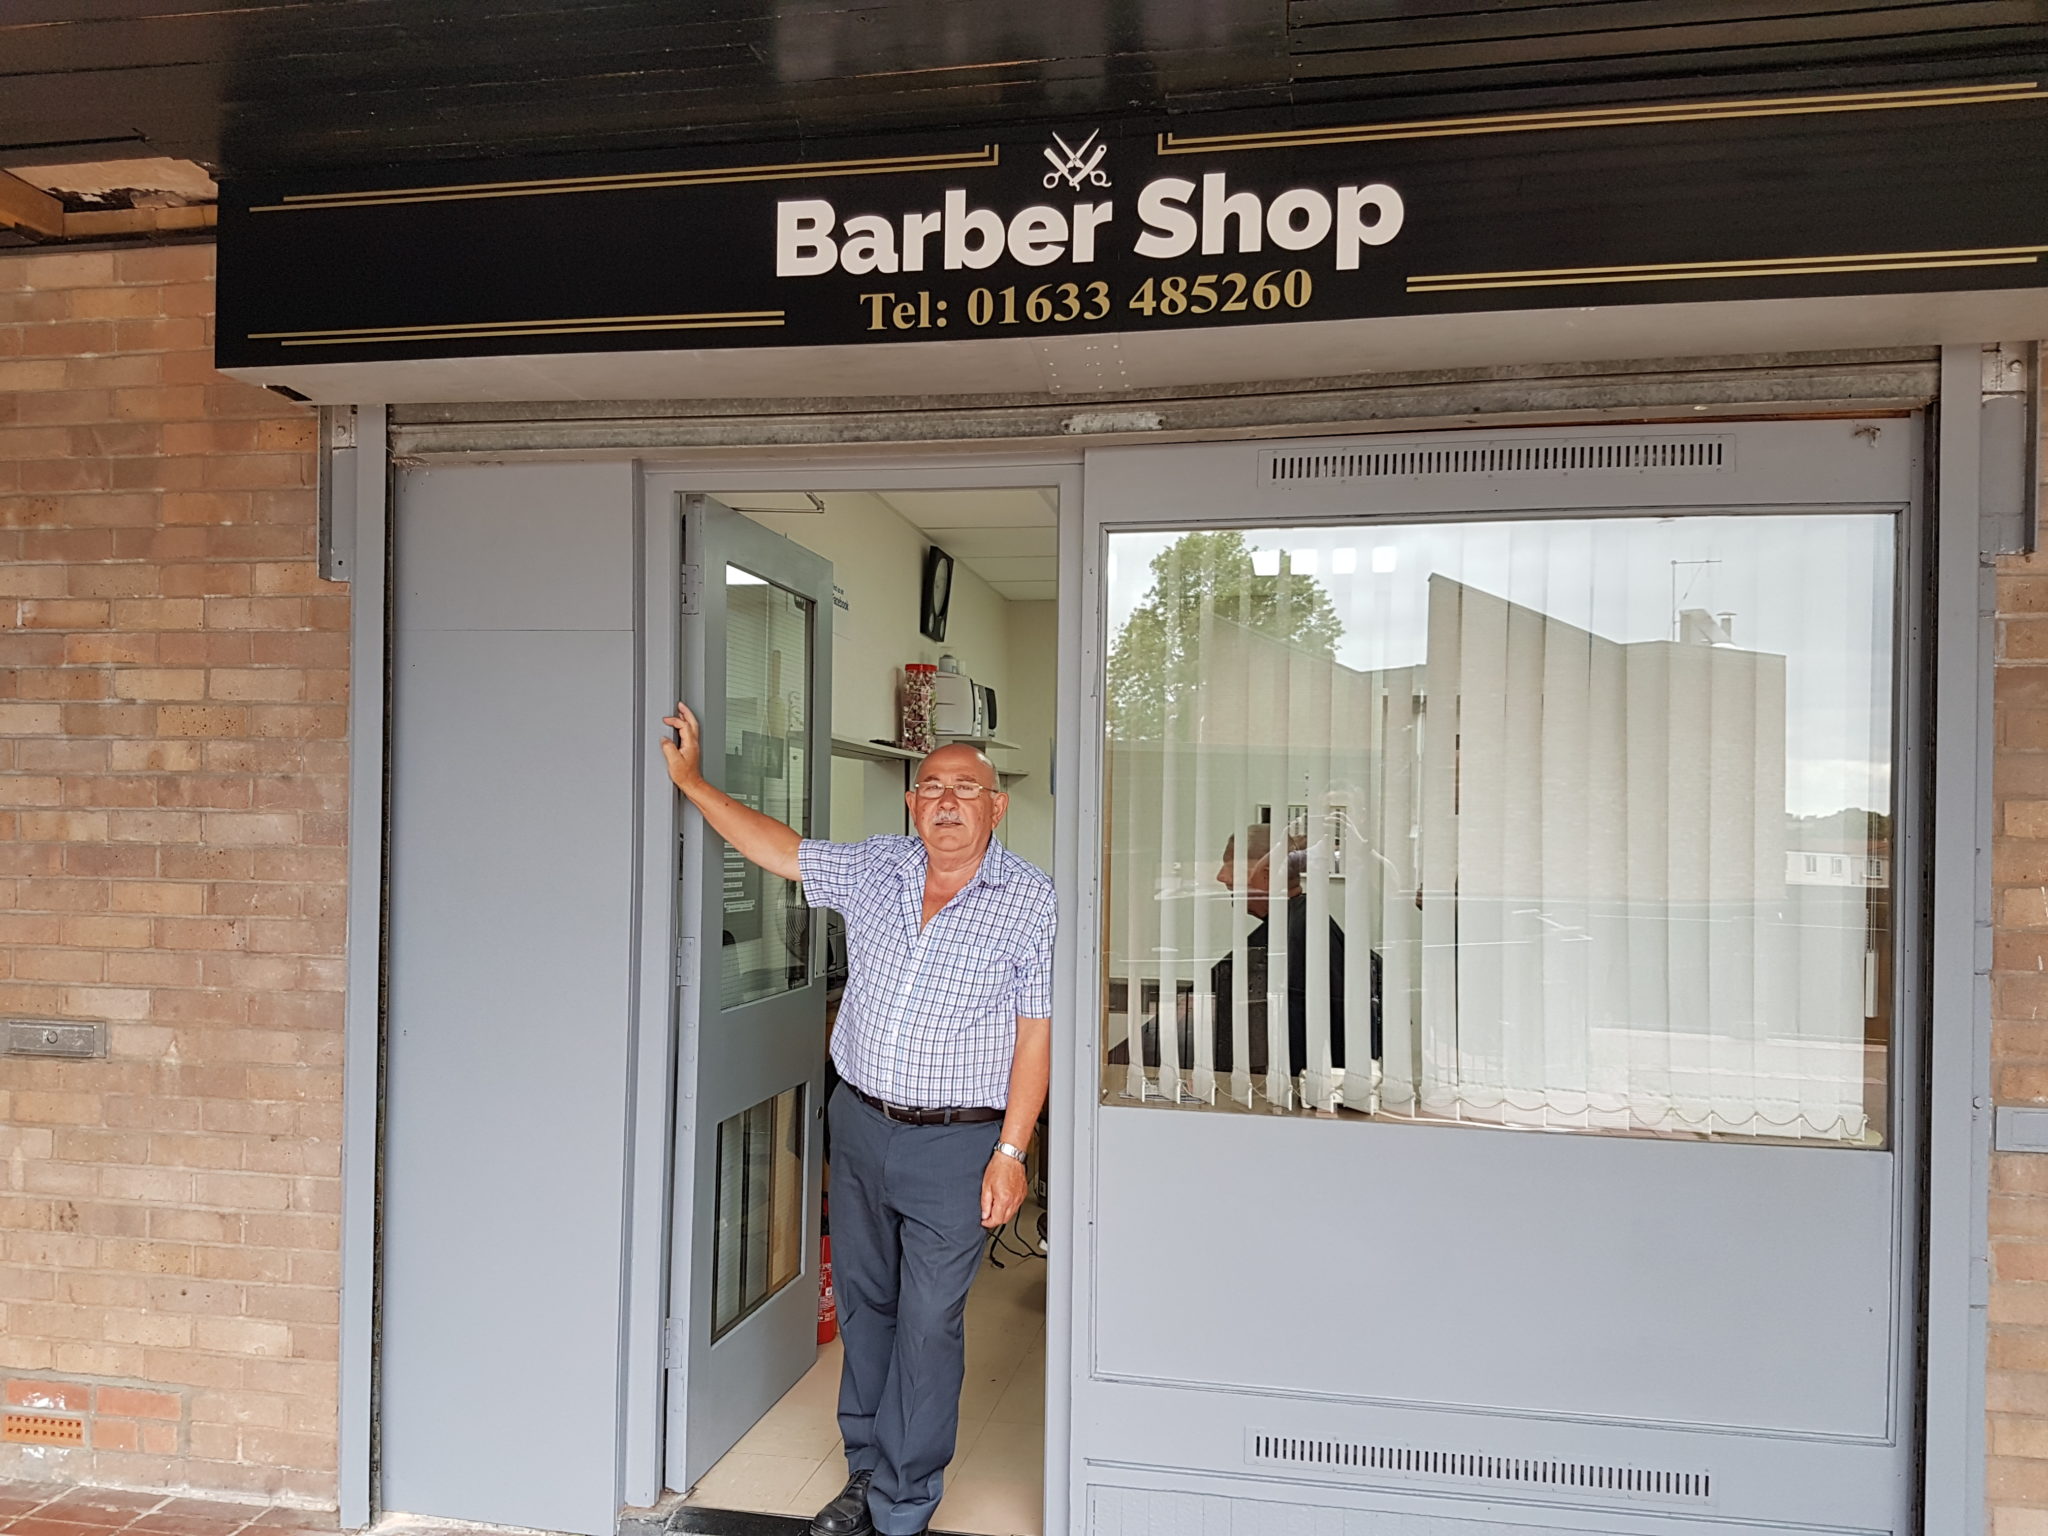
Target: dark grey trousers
x=906 y=1243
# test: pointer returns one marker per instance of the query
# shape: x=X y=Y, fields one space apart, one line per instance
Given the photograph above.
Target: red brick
x=113 y=303
x=165 y=265
x=70 y=269
x=59 y=1396
x=104 y=650
x=116 y=1435
x=173 y=335
x=133 y=1403
x=67 y=339
x=62 y=614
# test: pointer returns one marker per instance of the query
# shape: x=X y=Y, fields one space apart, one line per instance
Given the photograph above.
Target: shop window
x=1503 y=823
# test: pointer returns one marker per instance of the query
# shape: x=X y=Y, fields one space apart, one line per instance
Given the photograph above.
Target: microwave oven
x=962 y=707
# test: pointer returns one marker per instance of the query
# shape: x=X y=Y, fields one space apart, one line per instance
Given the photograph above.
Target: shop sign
x=1097 y=227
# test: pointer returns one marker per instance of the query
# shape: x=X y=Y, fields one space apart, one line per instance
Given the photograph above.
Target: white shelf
x=844 y=746
x=874 y=751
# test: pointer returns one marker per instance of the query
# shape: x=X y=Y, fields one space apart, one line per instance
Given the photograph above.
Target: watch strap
x=1007 y=1150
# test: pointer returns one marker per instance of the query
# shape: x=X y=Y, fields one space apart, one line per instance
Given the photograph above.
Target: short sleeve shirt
x=929 y=1016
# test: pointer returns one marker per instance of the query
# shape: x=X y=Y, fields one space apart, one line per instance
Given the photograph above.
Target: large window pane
x=767 y=928
x=1582 y=825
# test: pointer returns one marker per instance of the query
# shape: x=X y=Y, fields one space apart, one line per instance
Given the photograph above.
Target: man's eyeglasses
x=964 y=789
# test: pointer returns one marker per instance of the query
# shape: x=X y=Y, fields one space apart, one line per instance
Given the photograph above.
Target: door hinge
x=693 y=587
x=686 y=961
x=671 y=1343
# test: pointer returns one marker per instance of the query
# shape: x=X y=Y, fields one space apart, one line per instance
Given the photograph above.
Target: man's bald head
x=956 y=801
x=953 y=758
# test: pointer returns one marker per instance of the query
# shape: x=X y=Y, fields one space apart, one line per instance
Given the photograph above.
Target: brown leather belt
x=903 y=1114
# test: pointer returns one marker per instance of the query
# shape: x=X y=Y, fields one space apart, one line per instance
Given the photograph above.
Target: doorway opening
x=993 y=639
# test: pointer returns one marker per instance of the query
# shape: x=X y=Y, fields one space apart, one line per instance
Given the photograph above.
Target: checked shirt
x=929 y=1018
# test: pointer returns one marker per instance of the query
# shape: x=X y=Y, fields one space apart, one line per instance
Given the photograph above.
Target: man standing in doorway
x=943 y=1046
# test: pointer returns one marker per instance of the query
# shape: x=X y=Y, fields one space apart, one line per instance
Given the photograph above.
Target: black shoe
x=846 y=1515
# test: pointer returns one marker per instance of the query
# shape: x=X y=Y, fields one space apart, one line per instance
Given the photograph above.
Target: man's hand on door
x=757 y=837
x=686 y=753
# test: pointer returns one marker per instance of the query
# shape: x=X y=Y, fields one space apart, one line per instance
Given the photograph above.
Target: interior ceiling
x=248 y=86
x=1009 y=538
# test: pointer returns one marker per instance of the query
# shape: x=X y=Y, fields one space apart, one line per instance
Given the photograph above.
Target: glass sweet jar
x=918 y=687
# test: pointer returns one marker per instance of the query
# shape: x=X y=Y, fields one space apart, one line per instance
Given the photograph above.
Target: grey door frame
x=1957 y=1263
x=649 y=1203
x=1956 y=1266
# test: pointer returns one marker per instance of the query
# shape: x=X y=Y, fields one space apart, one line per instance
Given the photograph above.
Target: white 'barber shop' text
x=1177 y=217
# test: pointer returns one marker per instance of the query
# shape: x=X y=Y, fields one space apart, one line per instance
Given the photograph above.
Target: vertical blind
x=1588 y=821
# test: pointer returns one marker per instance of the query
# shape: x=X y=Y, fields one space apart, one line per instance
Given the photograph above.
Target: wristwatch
x=1009 y=1151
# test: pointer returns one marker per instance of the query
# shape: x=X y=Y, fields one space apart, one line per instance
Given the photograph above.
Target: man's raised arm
x=760 y=839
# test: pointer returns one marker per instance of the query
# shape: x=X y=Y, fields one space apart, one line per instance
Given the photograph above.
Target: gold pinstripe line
x=886 y=165
x=1604 y=117
x=1758 y=261
x=462 y=330
x=1791 y=266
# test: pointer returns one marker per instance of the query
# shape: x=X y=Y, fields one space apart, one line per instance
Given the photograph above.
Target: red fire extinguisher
x=828 y=1307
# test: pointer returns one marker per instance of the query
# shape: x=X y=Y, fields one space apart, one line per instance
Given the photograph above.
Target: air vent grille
x=42 y=1429
x=1535 y=1474
x=1409 y=461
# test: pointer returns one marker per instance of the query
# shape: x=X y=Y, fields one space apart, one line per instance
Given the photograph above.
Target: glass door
x=756 y=669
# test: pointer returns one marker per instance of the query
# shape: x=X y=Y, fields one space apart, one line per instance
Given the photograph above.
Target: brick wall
x=172 y=783
x=2018 y=1397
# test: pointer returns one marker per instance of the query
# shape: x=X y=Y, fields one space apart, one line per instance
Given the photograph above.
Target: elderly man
x=943 y=1046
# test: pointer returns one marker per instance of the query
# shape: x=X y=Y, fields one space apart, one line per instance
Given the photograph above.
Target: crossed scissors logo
x=1075 y=166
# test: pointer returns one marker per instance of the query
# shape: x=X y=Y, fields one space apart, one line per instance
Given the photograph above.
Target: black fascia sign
x=1119 y=228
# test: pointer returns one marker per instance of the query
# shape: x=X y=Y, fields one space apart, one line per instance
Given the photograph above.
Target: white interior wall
x=1026 y=718
x=877 y=560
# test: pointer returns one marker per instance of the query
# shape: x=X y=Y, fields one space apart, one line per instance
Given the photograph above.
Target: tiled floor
x=791 y=1462
x=30 y=1509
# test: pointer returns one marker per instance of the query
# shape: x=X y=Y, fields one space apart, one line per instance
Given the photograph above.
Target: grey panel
x=513 y=866
x=1136 y=1511
x=526 y=546
x=1446 y=1268
x=1295 y=1449
x=511 y=927
x=1836 y=463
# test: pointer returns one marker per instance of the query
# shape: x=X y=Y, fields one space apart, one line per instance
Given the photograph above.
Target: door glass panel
x=767 y=937
x=758 y=1224
x=1581 y=825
